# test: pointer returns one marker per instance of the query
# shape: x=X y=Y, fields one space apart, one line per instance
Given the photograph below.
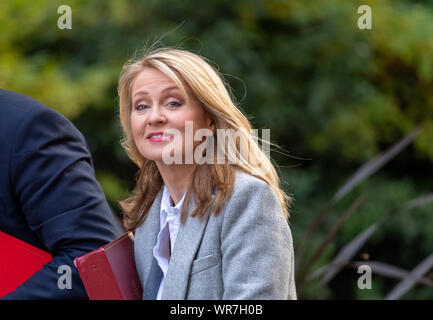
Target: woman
x=203 y=229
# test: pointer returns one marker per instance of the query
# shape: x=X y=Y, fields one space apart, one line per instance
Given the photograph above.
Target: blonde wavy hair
x=196 y=79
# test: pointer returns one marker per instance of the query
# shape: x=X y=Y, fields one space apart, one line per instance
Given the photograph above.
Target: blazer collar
x=148 y=236
x=185 y=248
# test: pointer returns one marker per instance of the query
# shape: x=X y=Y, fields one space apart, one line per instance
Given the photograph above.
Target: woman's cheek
x=136 y=128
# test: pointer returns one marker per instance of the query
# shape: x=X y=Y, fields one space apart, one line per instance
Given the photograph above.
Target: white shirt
x=169 y=219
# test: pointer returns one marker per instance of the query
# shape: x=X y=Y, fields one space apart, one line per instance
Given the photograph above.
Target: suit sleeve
x=257 y=248
x=53 y=179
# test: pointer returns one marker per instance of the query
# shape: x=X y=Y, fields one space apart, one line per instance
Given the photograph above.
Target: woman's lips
x=160 y=138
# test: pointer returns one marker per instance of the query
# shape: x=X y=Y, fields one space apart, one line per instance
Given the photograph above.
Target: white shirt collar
x=169 y=217
x=166 y=203
x=170 y=214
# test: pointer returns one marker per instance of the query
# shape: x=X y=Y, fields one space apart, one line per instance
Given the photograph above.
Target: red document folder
x=109 y=273
x=18 y=262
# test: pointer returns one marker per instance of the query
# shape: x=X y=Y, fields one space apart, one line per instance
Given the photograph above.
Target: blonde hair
x=199 y=80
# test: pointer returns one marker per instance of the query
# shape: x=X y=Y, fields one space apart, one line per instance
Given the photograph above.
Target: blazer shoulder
x=19 y=109
x=22 y=117
x=20 y=104
x=250 y=191
x=246 y=184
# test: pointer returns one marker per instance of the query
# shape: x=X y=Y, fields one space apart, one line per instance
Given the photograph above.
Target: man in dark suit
x=49 y=196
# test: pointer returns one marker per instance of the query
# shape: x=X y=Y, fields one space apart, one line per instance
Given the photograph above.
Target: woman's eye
x=141 y=107
x=174 y=104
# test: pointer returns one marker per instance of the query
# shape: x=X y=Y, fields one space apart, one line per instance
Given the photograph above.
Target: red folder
x=109 y=273
x=18 y=262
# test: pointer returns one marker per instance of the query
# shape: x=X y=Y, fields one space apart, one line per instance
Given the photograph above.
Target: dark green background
x=333 y=96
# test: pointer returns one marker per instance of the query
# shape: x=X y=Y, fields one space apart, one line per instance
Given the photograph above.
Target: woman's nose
x=156 y=116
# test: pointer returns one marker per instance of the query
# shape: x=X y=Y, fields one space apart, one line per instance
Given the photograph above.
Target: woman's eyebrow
x=170 y=89
x=142 y=92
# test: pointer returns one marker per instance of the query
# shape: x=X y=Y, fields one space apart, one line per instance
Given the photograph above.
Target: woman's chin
x=156 y=158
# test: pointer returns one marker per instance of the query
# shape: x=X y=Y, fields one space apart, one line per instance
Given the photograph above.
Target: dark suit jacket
x=49 y=196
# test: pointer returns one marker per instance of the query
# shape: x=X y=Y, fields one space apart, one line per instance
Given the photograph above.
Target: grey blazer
x=246 y=252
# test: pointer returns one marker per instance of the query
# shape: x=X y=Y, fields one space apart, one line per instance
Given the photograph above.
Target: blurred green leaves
x=330 y=93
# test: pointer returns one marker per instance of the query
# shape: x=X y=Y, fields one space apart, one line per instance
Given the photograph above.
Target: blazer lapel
x=148 y=236
x=185 y=248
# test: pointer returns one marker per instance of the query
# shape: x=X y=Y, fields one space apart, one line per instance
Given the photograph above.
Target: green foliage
x=330 y=92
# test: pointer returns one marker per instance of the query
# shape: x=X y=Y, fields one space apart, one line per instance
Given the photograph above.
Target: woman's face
x=158 y=105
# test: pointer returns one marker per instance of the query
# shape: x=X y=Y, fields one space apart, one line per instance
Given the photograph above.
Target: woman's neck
x=177 y=178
